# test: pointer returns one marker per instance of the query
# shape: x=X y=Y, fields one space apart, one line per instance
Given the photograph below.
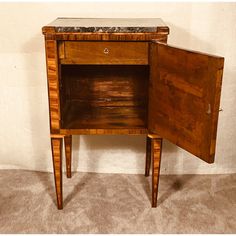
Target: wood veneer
x=120 y=53
x=104 y=96
x=184 y=98
x=126 y=80
x=68 y=154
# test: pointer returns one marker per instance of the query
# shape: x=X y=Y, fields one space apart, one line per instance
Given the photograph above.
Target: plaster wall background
x=24 y=133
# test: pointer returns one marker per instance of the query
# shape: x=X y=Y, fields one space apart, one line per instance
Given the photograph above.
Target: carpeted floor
x=114 y=203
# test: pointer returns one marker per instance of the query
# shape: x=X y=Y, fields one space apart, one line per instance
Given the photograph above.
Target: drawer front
x=129 y=53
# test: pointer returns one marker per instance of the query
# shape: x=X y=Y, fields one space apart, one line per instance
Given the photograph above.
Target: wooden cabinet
x=119 y=76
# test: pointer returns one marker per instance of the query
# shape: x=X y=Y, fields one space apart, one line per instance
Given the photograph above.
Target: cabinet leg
x=148 y=156
x=57 y=165
x=156 y=147
x=68 y=154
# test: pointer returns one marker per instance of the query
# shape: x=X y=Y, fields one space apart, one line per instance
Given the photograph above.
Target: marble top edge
x=63 y=24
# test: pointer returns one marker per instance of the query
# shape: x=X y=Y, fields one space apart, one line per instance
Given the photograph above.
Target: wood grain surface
x=104 y=96
x=105 y=85
x=184 y=97
x=119 y=53
x=156 y=150
x=68 y=154
x=53 y=84
x=148 y=156
x=110 y=131
x=80 y=116
x=57 y=166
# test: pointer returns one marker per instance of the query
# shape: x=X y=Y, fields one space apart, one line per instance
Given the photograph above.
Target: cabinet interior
x=104 y=96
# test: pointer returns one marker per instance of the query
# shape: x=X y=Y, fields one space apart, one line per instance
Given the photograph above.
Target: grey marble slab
x=108 y=25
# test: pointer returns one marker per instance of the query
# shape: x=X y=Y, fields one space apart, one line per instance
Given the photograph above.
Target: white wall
x=24 y=133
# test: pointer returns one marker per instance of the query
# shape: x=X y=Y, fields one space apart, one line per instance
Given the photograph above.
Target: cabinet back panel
x=104 y=96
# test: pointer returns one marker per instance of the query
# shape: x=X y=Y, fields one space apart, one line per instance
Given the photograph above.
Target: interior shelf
x=80 y=116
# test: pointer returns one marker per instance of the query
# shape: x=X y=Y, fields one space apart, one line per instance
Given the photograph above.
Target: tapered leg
x=148 y=156
x=57 y=165
x=68 y=153
x=156 y=163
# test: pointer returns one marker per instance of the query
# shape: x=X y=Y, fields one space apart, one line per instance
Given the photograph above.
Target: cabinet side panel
x=53 y=85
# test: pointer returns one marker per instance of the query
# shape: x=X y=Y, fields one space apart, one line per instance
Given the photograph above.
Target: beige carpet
x=114 y=203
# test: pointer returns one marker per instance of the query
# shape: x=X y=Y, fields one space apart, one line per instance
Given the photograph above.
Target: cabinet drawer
x=104 y=53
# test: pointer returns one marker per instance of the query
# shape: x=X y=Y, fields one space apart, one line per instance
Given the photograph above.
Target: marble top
x=108 y=25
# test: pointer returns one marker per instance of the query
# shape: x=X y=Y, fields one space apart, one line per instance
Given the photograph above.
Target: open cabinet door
x=184 y=98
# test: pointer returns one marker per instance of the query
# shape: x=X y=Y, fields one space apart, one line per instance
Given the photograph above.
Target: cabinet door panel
x=184 y=97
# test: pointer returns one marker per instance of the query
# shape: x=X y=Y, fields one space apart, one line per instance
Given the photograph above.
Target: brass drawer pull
x=106 y=50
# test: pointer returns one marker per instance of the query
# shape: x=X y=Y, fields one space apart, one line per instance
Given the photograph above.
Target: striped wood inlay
x=53 y=84
x=156 y=163
x=148 y=156
x=57 y=165
x=68 y=154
